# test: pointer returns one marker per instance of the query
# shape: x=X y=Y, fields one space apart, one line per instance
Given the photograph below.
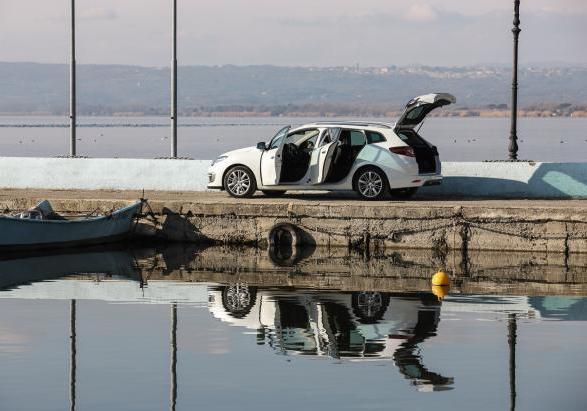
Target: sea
x=174 y=329
x=458 y=139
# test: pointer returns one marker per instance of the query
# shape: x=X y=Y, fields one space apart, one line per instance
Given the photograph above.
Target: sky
x=295 y=33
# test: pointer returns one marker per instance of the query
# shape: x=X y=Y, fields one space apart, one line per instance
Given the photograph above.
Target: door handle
x=271 y=158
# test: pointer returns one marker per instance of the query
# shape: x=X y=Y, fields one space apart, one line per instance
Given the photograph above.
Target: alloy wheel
x=370 y=184
x=238 y=182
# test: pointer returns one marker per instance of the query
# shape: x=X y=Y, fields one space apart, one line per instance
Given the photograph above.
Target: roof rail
x=353 y=123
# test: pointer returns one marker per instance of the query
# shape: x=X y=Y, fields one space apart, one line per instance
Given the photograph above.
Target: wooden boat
x=41 y=227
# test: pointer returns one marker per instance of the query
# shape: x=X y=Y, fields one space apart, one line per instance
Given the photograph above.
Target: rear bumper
x=433 y=182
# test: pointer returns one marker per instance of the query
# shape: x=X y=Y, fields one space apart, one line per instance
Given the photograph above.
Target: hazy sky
x=300 y=32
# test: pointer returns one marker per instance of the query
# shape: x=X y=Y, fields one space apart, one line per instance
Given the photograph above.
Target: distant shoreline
x=459 y=113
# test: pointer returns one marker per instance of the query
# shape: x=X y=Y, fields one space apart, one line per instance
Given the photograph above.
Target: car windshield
x=276 y=141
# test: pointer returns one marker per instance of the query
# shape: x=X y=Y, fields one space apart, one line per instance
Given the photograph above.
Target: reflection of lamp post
x=512 y=329
x=72 y=353
x=513 y=133
x=173 y=368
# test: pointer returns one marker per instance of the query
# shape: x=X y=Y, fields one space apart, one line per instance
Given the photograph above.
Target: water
x=185 y=328
x=458 y=139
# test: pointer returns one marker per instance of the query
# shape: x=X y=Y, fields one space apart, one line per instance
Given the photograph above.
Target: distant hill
x=106 y=89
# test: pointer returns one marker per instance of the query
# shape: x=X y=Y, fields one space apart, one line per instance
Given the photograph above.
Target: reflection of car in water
x=357 y=326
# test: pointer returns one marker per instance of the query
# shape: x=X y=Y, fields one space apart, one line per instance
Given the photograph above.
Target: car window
x=302 y=136
x=373 y=137
x=330 y=135
x=352 y=137
x=357 y=138
x=276 y=141
x=414 y=113
x=327 y=138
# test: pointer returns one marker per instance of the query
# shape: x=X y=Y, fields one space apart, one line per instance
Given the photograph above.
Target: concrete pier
x=553 y=226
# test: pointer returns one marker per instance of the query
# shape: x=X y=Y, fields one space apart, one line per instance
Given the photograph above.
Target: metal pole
x=174 y=80
x=173 y=367
x=512 y=336
x=513 y=148
x=72 y=353
x=72 y=88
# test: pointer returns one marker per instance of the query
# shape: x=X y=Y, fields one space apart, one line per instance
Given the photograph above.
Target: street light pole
x=72 y=88
x=513 y=148
x=174 y=79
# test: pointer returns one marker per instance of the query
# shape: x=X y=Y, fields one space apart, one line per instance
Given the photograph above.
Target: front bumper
x=214 y=180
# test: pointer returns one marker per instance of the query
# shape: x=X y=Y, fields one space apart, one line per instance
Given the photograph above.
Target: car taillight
x=403 y=151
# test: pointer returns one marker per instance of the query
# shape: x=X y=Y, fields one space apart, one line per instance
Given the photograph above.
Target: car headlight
x=218 y=160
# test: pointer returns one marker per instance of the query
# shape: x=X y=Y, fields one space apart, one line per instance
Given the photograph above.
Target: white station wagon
x=373 y=159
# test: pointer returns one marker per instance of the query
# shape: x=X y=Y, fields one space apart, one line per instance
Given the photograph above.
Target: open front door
x=271 y=160
x=326 y=154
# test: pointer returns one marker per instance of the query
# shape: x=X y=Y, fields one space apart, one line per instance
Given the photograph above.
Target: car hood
x=241 y=151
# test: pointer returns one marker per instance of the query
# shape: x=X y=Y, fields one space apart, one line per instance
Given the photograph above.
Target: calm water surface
x=458 y=139
x=90 y=331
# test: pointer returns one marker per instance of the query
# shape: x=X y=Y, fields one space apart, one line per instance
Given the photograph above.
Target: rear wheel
x=240 y=182
x=403 y=193
x=273 y=193
x=370 y=183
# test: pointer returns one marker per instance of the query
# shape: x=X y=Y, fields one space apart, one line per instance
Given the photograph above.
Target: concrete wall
x=511 y=180
x=477 y=179
x=103 y=174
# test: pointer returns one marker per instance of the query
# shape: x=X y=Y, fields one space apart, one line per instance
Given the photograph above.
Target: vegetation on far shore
x=324 y=110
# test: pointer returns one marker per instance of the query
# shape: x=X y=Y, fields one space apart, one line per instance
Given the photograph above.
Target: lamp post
x=72 y=91
x=513 y=148
x=174 y=79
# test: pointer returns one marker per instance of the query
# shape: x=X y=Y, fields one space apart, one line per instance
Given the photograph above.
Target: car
x=373 y=159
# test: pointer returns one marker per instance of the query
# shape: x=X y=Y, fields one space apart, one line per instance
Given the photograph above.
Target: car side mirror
x=261 y=146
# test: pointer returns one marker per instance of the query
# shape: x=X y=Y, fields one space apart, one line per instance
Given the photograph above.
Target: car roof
x=360 y=124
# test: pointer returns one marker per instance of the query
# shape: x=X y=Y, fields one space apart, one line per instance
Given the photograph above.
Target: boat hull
x=18 y=233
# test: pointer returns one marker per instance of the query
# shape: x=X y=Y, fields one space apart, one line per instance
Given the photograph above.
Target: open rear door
x=271 y=160
x=416 y=111
x=326 y=155
x=418 y=108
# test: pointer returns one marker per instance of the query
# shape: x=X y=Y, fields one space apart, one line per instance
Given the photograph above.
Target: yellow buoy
x=440 y=278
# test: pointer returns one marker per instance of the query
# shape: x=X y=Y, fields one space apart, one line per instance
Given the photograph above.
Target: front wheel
x=370 y=183
x=240 y=182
